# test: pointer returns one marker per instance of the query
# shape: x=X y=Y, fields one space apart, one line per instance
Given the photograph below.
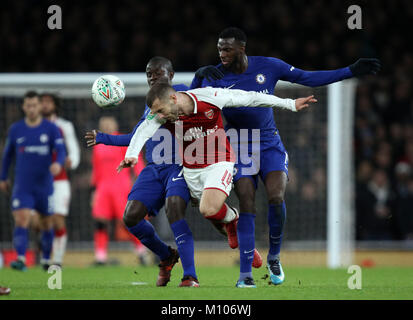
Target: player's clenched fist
x=126 y=163
x=302 y=103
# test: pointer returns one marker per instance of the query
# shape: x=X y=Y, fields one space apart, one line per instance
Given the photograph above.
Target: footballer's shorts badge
x=260 y=78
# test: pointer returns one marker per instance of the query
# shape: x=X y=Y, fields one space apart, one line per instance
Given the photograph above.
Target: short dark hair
x=30 y=94
x=158 y=91
x=54 y=97
x=162 y=61
x=234 y=32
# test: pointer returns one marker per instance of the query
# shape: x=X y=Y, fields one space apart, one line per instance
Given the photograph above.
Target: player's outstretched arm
x=143 y=133
x=223 y=98
x=95 y=137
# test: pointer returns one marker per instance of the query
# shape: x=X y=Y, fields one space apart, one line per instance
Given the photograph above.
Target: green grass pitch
x=217 y=283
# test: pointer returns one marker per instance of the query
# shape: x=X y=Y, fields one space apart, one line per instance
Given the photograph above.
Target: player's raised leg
x=275 y=184
x=213 y=207
x=21 y=237
x=134 y=219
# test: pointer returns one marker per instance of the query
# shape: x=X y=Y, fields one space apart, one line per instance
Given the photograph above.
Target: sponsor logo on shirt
x=41 y=150
x=20 y=140
x=44 y=138
x=197 y=133
x=260 y=78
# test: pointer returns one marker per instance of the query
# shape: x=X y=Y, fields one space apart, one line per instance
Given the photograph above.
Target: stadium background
x=97 y=37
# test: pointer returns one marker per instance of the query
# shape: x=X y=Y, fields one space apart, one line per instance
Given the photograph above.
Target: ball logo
x=44 y=138
x=209 y=114
x=260 y=78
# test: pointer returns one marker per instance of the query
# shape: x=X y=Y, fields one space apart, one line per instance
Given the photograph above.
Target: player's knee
x=209 y=210
x=276 y=198
x=134 y=212
x=175 y=209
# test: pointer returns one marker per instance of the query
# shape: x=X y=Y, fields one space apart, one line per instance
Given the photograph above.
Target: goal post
x=341 y=178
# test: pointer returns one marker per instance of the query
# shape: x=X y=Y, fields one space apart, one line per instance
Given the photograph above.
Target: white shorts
x=216 y=176
x=61 y=197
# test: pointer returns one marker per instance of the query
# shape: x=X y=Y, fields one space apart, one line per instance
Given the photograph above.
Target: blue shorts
x=261 y=160
x=155 y=183
x=38 y=199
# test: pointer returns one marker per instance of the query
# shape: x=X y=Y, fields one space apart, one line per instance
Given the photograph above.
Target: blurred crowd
x=123 y=36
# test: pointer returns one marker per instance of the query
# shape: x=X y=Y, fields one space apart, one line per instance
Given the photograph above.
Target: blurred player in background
x=255 y=73
x=111 y=193
x=195 y=118
x=160 y=183
x=32 y=141
x=61 y=184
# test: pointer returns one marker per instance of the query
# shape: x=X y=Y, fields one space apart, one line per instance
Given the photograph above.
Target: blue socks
x=246 y=242
x=185 y=243
x=145 y=232
x=47 y=243
x=276 y=218
x=21 y=240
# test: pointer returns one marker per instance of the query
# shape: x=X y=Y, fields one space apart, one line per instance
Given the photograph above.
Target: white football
x=108 y=91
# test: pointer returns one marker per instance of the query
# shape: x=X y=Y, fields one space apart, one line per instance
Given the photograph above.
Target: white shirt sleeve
x=223 y=98
x=142 y=134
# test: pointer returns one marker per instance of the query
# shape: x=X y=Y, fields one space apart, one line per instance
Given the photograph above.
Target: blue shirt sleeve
x=121 y=140
x=310 y=78
x=8 y=155
x=196 y=83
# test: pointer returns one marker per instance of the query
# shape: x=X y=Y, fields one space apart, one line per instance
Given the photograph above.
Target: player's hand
x=209 y=72
x=5 y=186
x=90 y=137
x=302 y=103
x=365 y=66
x=68 y=163
x=55 y=168
x=127 y=163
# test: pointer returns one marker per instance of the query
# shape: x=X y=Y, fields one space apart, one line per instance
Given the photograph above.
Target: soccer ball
x=108 y=91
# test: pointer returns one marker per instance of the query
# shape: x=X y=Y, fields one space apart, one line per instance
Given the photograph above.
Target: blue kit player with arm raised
x=270 y=158
x=31 y=141
x=160 y=182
